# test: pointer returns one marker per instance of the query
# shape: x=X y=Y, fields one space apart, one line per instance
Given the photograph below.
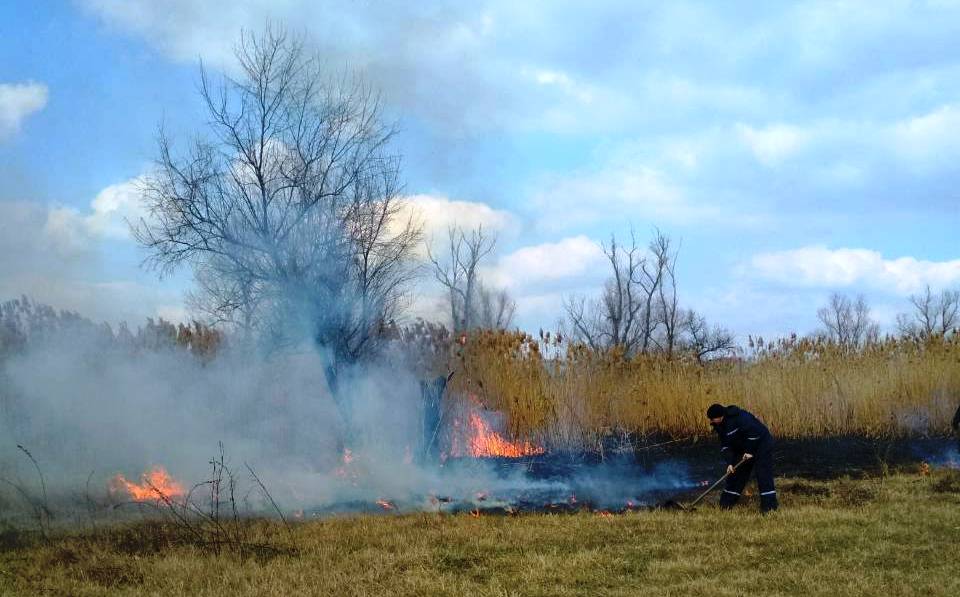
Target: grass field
x=897 y=535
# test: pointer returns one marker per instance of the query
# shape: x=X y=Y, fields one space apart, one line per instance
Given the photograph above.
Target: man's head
x=716 y=413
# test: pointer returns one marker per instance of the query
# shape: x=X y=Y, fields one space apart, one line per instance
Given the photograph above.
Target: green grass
x=898 y=535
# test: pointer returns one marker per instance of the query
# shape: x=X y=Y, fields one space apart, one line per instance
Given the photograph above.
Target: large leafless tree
x=933 y=314
x=847 y=321
x=637 y=296
x=471 y=303
x=639 y=308
x=287 y=206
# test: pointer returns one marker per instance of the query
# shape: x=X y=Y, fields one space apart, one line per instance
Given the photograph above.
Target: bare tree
x=704 y=341
x=634 y=300
x=458 y=273
x=288 y=209
x=932 y=315
x=668 y=312
x=847 y=320
x=495 y=309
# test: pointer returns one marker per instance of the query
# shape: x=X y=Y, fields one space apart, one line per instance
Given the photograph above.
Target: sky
x=792 y=149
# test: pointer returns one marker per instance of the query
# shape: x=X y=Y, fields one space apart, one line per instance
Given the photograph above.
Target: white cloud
x=114 y=207
x=437 y=214
x=549 y=263
x=928 y=139
x=772 y=144
x=108 y=216
x=818 y=266
x=17 y=102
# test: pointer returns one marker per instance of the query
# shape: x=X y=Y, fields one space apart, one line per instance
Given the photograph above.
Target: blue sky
x=795 y=149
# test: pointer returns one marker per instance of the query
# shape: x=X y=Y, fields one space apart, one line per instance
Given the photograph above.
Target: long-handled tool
x=712 y=487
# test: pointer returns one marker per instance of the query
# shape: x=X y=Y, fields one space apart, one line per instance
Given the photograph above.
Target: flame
x=386 y=505
x=346 y=470
x=156 y=484
x=484 y=441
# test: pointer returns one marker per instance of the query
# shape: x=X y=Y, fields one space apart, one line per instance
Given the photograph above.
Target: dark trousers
x=762 y=463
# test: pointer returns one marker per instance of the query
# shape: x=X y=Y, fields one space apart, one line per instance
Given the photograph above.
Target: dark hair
x=716 y=411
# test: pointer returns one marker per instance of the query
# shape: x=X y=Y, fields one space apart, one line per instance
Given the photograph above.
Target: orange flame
x=484 y=441
x=156 y=484
x=346 y=470
x=386 y=505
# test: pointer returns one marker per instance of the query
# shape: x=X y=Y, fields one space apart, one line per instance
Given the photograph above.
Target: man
x=744 y=437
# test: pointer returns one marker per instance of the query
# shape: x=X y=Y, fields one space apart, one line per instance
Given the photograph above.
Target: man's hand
x=729 y=469
x=747 y=456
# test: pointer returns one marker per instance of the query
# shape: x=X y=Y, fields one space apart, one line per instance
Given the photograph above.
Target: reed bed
x=571 y=397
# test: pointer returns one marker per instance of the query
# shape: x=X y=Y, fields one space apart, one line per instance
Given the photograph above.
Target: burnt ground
x=657 y=474
x=821 y=459
x=648 y=469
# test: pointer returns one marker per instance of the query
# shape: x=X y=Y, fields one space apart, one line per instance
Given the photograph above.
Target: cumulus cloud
x=438 y=214
x=17 y=102
x=58 y=255
x=539 y=276
x=110 y=215
x=548 y=263
x=818 y=266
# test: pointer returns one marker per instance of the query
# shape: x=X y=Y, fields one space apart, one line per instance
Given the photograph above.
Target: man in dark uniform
x=744 y=437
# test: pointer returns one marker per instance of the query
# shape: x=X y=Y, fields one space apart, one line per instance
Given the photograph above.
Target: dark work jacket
x=742 y=433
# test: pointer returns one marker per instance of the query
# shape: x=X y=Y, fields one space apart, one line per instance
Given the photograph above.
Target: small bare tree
x=933 y=314
x=705 y=341
x=459 y=273
x=847 y=321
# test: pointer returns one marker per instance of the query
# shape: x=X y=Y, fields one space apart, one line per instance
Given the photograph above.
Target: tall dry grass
x=568 y=396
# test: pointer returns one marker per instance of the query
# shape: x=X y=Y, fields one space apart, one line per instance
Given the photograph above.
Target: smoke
x=88 y=408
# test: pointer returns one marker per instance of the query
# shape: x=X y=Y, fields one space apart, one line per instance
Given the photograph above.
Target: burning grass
x=155 y=485
x=899 y=540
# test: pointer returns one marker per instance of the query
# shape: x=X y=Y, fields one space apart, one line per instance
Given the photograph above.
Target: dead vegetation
x=571 y=397
x=848 y=537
